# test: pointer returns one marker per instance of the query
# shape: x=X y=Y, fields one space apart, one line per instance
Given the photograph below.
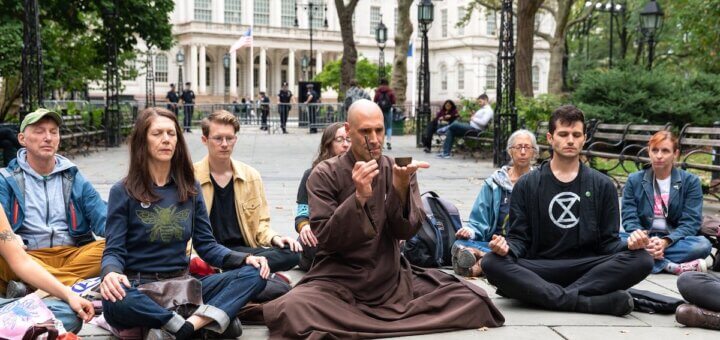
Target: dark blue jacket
x=684 y=211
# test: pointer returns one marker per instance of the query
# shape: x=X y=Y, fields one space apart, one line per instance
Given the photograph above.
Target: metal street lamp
x=381 y=39
x=612 y=8
x=226 y=64
x=180 y=59
x=304 y=65
x=425 y=19
x=651 y=19
x=311 y=7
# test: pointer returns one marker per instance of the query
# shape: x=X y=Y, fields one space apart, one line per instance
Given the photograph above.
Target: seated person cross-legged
x=34 y=274
x=667 y=203
x=563 y=251
x=359 y=285
x=235 y=197
x=152 y=215
x=334 y=142
x=447 y=114
x=490 y=212
x=702 y=291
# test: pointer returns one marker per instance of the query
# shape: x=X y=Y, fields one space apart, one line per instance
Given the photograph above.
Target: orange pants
x=67 y=264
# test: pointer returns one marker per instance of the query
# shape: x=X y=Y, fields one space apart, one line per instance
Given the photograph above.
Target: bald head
x=366 y=128
x=362 y=110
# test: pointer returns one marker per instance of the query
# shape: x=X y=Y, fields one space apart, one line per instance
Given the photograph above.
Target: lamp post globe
x=425 y=12
x=381 y=39
x=180 y=57
x=651 y=19
x=304 y=62
x=226 y=60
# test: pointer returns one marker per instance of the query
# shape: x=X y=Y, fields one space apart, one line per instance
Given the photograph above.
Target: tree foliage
x=74 y=33
x=631 y=94
x=366 y=74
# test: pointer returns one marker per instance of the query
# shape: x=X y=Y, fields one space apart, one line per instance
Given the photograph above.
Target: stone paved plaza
x=281 y=159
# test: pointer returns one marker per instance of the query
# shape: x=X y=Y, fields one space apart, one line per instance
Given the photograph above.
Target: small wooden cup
x=403 y=161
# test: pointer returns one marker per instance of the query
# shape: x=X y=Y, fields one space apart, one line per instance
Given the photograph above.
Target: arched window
x=490 y=77
x=536 y=78
x=203 y=10
x=161 y=68
x=443 y=77
x=461 y=76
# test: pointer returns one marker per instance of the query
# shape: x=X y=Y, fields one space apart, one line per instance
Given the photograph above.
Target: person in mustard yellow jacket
x=235 y=198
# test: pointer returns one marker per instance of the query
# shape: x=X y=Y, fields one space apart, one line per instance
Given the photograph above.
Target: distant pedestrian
x=312 y=100
x=284 y=105
x=173 y=99
x=385 y=98
x=188 y=97
x=264 y=102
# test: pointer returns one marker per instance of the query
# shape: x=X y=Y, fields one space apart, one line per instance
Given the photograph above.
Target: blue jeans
x=686 y=249
x=456 y=129
x=223 y=295
x=484 y=246
x=388 y=119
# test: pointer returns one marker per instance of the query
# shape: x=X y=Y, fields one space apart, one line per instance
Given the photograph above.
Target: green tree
x=73 y=36
x=366 y=74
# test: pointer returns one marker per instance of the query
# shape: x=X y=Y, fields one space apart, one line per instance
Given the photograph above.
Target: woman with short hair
x=491 y=211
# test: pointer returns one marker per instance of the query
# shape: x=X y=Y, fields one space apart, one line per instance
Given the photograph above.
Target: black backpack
x=430 y=247
x=384 y=101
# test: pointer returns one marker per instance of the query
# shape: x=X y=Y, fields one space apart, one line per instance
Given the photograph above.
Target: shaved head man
x=365 y=119
x=359 y=285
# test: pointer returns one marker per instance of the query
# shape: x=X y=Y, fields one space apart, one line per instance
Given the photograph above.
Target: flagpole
x=251 y=98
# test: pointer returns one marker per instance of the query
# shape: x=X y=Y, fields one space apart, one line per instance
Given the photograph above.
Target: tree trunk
x=11 y=91
x=399 y=81
x=349 y=58
x=557 y=46
x=524 y=48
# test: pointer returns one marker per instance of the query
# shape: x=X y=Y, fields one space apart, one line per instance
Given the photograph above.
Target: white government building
x=462 y=59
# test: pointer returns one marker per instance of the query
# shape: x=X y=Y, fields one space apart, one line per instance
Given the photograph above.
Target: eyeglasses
x=339 y=140
x=521 y=147
x=220 y=139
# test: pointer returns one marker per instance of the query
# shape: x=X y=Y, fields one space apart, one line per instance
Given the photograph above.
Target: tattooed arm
x=33 y=274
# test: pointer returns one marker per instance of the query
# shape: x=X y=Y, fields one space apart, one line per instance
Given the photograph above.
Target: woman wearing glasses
x=491 y=211
x=334 y=142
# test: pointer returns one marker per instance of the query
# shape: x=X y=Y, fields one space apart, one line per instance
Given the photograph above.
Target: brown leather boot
x=694 y=316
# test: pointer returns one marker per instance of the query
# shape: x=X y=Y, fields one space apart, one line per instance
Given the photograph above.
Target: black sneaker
x=389 y=147
x=16 y=289
x=233 y=330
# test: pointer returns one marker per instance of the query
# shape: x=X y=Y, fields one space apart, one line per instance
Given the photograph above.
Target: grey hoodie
x=502 y=178
x=45 y=224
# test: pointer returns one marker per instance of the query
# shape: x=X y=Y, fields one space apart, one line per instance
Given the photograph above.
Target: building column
x=263 y=69
x=202 y=86
x=318 y=63
x=291 y=70
x=233 y=74
x=192 y=71
x=251 y=74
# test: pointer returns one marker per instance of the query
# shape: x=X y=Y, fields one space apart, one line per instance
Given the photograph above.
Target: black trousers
x=284 y=110
x=701 y=289
x=556 y=284
x=265 y=112
x=188 y=110
x=429 y=132
x=278 y=259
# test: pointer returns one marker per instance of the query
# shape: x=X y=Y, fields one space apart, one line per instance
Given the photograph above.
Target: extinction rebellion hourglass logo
x=560 y=210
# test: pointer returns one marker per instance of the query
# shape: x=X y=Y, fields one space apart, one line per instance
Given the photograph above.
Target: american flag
x=245 y=40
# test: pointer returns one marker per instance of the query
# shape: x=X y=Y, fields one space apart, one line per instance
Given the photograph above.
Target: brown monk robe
x=359 y=285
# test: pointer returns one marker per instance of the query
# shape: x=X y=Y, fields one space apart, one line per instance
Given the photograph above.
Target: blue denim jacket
x=86 y=211
x=684 y=211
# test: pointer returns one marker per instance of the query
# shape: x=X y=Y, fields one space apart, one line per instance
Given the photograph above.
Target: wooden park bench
x=696 y=141
x=74 y=135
